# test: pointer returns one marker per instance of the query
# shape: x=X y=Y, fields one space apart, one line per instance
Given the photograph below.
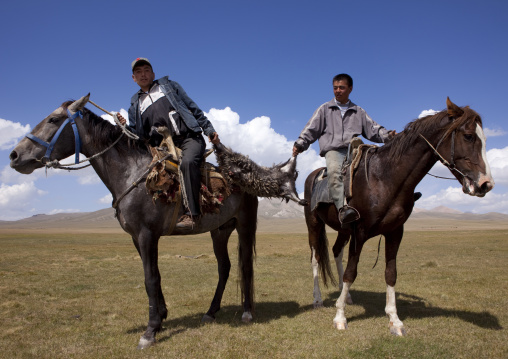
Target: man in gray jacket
x=164 y=102
x=334 y=124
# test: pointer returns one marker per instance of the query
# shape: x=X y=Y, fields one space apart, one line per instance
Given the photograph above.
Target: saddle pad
x=320 y=193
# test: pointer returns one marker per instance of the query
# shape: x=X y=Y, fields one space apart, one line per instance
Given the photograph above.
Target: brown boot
x=187 y=222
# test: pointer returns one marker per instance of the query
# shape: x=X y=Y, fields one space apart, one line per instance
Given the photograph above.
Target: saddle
x=163 y=182
x=320 y=192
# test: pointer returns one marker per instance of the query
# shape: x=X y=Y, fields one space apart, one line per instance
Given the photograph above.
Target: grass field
x=81 y=295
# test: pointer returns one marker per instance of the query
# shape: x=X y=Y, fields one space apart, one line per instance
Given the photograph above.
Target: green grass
x=83 y=296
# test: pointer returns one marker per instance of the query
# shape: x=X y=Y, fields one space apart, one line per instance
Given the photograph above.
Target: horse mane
x=426 y=125
x=104 y=133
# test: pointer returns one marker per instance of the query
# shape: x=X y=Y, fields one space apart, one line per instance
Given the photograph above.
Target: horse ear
x=79 y=104
x=453 y=110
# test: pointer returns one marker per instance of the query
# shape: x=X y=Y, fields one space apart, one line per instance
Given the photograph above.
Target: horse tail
x=246 y=228
x=318 y=239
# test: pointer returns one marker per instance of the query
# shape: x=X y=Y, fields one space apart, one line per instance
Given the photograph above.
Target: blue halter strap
x=50 y=146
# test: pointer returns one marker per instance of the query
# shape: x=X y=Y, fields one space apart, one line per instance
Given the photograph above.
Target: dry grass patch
x=81 y=295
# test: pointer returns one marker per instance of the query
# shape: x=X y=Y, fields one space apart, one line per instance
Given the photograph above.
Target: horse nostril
x=486 y=186
x=13 y=155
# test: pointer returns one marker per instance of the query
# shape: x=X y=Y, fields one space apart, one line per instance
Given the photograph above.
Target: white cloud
x=56 y=211
x=453 y=197
x=10 y=133
x=109 y=118
x=498 y=161
x=427 y=113
x=493 y=132
x=107 y=199
x=15 y=199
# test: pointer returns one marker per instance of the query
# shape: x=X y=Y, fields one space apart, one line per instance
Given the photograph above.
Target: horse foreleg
x=392 y=245
x=338 y=254
x=148 y=249
x=220 y=237
x=163 y=310
x=340 y=322
x=355 y=248
x=246 y=227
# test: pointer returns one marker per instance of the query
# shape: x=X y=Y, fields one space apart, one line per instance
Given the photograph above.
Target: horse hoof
x=247 y=317
x=318 y=304
x=207 y=319
x=340 y=325
x=397 y=331
x=145 y=343
x=349 y=300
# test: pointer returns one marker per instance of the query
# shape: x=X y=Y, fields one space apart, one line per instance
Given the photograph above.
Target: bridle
x=450 y=165
x=51 y=145
x=45 y=160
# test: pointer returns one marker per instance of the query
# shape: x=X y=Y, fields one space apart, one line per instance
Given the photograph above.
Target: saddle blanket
x=320 y=193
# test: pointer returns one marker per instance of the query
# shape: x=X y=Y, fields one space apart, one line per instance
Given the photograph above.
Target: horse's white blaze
x=318 y=301
x=340 y=321
x=396 y=325
x=487 y=176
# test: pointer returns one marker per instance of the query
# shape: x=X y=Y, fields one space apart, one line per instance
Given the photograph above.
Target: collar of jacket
x=352 y=106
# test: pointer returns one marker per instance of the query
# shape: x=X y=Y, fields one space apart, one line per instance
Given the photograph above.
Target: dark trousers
x=193 y=148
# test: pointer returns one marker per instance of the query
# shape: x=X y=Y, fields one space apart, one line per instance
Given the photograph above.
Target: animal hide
x=257 y=180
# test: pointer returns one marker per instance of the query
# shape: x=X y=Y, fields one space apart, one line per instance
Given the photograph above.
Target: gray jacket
x=191 y=114
x=334 y=132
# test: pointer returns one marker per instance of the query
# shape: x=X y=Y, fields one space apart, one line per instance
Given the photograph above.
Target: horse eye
x=469 y=138
x=53 y=120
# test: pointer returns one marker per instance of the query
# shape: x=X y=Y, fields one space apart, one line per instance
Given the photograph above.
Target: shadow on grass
x=230 y=315
x=410 y=306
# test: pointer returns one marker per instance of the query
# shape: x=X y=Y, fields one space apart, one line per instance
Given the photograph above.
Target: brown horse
x=71 y=128
x=382 y=192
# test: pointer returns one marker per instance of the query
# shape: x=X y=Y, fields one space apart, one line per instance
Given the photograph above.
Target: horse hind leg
x=320 y=261
x=220 y=237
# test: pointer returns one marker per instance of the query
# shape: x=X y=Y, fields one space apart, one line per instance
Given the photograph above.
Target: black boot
x=348 y=214
x=416 y=196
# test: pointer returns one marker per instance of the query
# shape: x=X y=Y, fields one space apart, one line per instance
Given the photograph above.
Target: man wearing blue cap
x=164 y=102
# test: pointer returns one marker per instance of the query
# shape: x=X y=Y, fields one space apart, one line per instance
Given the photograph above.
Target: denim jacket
x=190 y=113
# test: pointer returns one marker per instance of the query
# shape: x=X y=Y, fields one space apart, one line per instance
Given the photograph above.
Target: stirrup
x=348 y=214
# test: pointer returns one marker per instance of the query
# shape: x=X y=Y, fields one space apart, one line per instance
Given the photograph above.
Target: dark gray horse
x=71 y=128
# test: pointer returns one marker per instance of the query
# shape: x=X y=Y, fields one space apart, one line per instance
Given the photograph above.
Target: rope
x=65 y=166
x=115 y=118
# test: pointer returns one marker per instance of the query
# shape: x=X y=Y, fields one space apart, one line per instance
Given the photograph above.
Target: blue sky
x=259 y=69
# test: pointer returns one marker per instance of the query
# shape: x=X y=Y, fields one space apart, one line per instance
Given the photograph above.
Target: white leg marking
x=145 y=343
x=340 y=322
x=247 y=317
x=340 y=271
x=396 y=326
x=318 y=301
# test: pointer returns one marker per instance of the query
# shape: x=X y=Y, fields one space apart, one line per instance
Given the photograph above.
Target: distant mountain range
x=273 y=215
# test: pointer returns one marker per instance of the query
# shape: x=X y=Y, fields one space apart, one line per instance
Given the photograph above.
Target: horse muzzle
x=478 y=188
